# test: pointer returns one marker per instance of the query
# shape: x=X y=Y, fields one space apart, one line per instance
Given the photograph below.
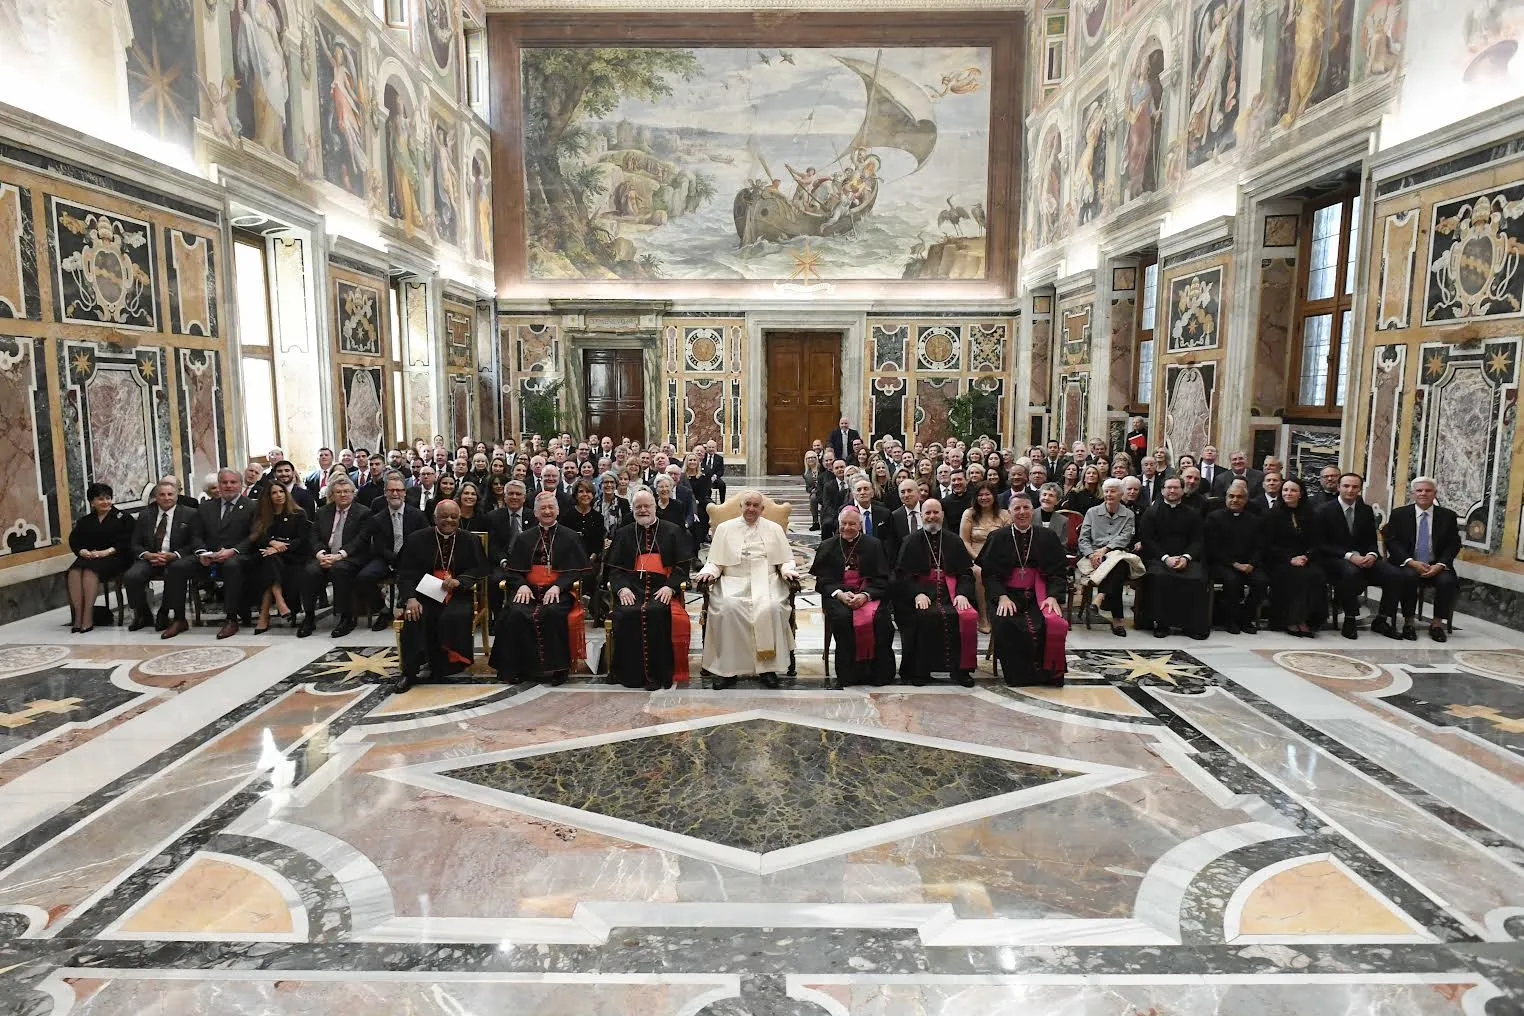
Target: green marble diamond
x=760 y=785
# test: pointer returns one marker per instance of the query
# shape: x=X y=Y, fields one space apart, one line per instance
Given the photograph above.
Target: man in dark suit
x=392 y=520
x=1269 y=494
x=833 y=494
x=340 y=548
x=1055 y=461
x=551 y=480
x=1239 y=469
x=1347 y=533
x=372 y=485
x=842 y=441
x=284 y=473
x=681 y=492
x=956 y=503
x=505 y=524
x=875 y=516
x=165 y=533
x=222 y=542
x=315 y=479
x=424 y=494
x=1153 y=480
x=1424 y=538
x=713 y=466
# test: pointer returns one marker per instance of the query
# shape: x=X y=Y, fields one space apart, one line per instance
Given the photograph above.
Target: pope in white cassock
x=750 y=566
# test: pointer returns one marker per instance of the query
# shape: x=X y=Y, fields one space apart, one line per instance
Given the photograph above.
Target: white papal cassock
x=748 y=630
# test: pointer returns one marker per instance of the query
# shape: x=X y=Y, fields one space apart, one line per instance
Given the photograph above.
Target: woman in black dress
x=703 y=491
x=1298 y=587
x=279 y=535
x=667 y=506
x=586 y=521
x=101 y=540
x=473 y=514
x=1088 y=494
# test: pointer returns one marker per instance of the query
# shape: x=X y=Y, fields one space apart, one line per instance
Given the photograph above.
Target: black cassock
x=939 y=638
x=866 y=557
x=442 y=636
x=651 y=640
x=534 y=640
x=1177 y=599
x=1028 y=568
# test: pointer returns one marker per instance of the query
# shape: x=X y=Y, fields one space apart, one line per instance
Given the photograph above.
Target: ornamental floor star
x=1156 y=667
x=383 y=664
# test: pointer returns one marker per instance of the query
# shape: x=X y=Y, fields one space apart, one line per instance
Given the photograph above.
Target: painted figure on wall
x=481 y=203
x=1313 y=55
x=162 y=68
x=1216 y=41
x=439 y=31
x=1188 y=420
x=446 y=184
x=403 y=174
x=341 y=102
x=264 y=94
x=1382 y=29
x=1050 y=190
x=1141 y=140
x=1090 y=163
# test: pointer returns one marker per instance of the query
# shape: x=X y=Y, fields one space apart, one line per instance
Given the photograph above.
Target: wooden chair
x=107 y=586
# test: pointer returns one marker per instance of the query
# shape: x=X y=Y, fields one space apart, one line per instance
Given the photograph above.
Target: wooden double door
x=614 y=380
x=803 y=394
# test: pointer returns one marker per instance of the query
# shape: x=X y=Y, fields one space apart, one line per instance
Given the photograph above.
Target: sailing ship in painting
x=877 y=158
x=897 y=115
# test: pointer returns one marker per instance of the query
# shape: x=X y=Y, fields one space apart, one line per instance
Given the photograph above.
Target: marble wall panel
x=939 y=347
x=990 y=420
x=364 y=409
x=1190 y=395
x=1074 y=406
x=536 y=346
x=987 y=347
x=703 y=410
x=1312 y=448
x=1194 y=310
x=417 y=335
x=1042 y=361
x=1399 y=260
x=191 y=271
x=932 y=396
x=357 y=311
x=1382 y=426
x=20 y=296
x=1074 y=336
x=105 y=268
x=889 y=345
x=203 y=437
x=420 y=403
x=121 y=419
x=29 y=497
x=1124 y=321
x=1277 y=288
x=459 y=341
x=460 y=416
x=703 y=349
x=1474 y=269
x=888 y=394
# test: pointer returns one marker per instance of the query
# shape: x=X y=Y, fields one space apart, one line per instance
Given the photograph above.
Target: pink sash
x=1057 y=629
x=968 y=621
x=862 y=617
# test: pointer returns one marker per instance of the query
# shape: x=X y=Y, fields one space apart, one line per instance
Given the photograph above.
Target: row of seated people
x=748 y=581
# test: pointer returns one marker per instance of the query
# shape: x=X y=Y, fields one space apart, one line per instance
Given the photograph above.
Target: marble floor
x=1247 y=825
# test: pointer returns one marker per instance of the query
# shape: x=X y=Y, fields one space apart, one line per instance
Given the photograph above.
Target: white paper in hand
x=432 y=586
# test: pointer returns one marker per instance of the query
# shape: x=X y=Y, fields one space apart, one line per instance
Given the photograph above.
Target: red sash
x=968 y=620
x=450 y=654
x=541 y=577
x=1056 y=628
x=862 y=617
x=682 y=630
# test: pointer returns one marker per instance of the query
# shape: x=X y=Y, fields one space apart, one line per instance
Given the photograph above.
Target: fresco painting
x=1090 y=161
x=793 y=165
x=1312 y=55
x=341 y=110
x=1140 y=161
x=262 y=89
x=1216 y=57
x=161 y=69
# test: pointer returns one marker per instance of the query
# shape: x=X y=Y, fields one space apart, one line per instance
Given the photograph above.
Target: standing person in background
x=699 y=482
x=712 y=464
x=843 y=441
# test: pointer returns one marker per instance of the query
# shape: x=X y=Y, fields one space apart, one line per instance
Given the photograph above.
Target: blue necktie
x=1422 y=551
x=868 y=523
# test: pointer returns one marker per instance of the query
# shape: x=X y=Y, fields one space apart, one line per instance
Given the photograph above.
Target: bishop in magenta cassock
x=852 y=577
x=940 y=627
x=1026 y=576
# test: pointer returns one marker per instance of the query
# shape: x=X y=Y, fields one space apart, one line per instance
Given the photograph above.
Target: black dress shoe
x=1409 y=633
x=402 y=684
x=1382 y=625
x=724 y=683
x=139 y=622
x=1439 y=634
x=305 y=628
x=1249 y=628
x=1231 y=629
x=345 y=625
x=556 y=678
x=1350 y=629
x=1119 y=629
x=381 y=623
x=1199 y=636
x=963 y=678
x=1161 y=631
x=769 y=679
x=160 y=623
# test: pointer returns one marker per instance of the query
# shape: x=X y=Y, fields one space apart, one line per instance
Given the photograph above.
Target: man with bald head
x=437 y=616
x=540 y=628
x=749 y=574
x=648 y=562
x=939 y=627
x=223 y=542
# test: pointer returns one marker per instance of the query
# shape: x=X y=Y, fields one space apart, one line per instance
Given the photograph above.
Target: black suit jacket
x=1335 y=537
x=1153 y=487
x=833 y=494
x=1402 y=535
x=354 y=539
x=899 y=531
x=214 y=532
x=182 y=531
x=378 y=528
x=370 y=492
x=882 y=527
x=415 y=498
x=505 y=525
x=1254 y=477
x=713 y=466
x=834 y=442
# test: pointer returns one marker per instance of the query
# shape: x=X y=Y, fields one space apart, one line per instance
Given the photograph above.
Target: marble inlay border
x=294 y=901
x=1233 y=911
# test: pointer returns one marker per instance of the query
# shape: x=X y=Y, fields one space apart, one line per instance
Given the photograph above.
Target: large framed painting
x=823 y=152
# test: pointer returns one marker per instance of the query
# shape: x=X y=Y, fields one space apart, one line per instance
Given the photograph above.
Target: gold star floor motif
x=1159 y=667
x=383 y=664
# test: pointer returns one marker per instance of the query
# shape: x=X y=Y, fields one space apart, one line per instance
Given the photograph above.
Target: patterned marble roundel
x=1334 y=666
x=705 y=349
x=938 y=347
x=14 y=659
x=191 y=661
